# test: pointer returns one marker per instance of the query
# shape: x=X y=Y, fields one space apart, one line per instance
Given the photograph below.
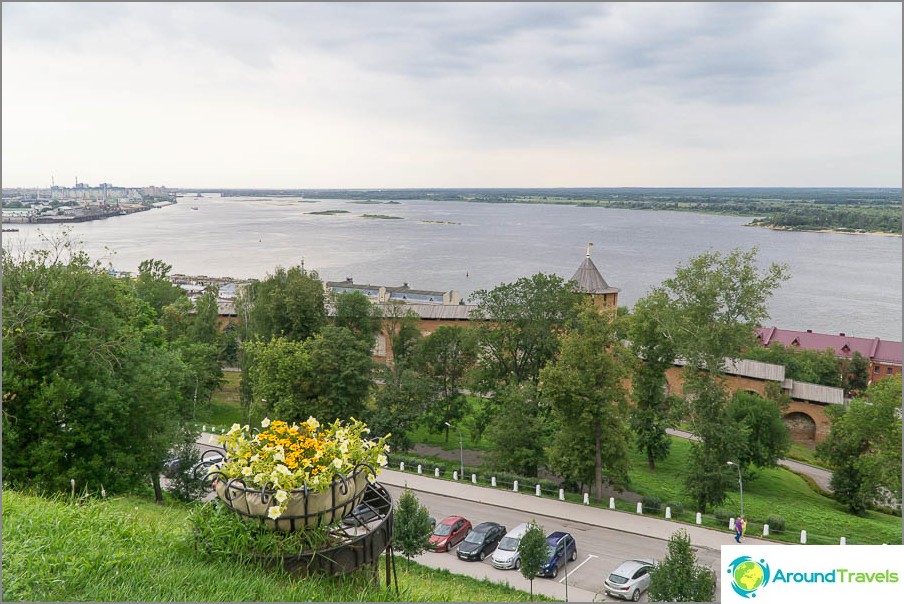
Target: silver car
x=629 y=580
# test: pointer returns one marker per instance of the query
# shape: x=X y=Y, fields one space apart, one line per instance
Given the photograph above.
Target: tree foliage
x=653 y=411
x=764 y=436
x=585 y=386
x=815 y=367
x=519 y=324
x=533 y=552
x=327 y=376
x=289 y=303
x=678 y=577
x=864 y=446
x=519 y=434
x=445 y=357
x=412 y=528
x=355 y=312
x=92 y=391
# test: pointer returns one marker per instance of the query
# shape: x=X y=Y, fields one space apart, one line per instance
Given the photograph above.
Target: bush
x=776 y=524
x=722 y=514
x=677 y=507
x=651 y=504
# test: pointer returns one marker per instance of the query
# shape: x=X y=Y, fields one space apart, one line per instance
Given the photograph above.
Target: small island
x=328 y=212
x=381 y=217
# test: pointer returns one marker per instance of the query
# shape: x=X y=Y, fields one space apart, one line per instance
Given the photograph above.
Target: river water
x=839 y=283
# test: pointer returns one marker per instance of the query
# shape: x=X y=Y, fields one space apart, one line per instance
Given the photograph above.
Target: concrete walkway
x=612 y=519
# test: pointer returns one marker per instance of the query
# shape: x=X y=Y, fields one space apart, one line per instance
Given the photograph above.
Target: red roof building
x=884 y=356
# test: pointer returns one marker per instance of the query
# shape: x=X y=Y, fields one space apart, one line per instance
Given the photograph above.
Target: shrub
x=651 y=504
x=776 y=524
x=722 y=514
x=677 y=507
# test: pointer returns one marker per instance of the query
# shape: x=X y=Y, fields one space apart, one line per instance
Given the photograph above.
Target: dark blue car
x=561 y=547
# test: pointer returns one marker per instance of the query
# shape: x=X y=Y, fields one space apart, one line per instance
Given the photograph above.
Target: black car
x=371 y=507
x=481 y=541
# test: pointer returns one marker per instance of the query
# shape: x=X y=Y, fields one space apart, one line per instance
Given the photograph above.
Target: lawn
x=144 y=552
x=775 y=491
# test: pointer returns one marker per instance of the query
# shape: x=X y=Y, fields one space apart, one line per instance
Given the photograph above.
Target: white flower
x=246 y=471
x=265 y=423
x=283 y=469
x=234 y=428
x=279 y=457
x=312 y=423
x=382 y=460
x=281 y=496
x=254 y=458
x=274 y=512
x=338 y=463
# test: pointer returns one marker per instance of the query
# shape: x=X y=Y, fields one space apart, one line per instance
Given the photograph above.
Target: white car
x=506 y=555
x=629 y=580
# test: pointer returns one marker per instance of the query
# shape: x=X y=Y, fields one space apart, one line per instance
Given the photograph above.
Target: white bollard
x=765 y=530
x=204 y=428
x=493 y=481
x=843 y=541
x=474 y=478
x=612 y=503
x=538 y=490
x=436 y=472
x=419 y=468
x=803 y=536
x=699 y=518
x=515 y=486
x=455 y=475
x=639 y=507
x=561 y=494
x=586 y=498
x=401 y=466
x=731 y=524
x=668 y=513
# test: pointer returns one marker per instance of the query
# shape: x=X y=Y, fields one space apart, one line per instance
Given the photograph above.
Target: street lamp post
x=566 y=567
x=740 y=484
x=461 y=451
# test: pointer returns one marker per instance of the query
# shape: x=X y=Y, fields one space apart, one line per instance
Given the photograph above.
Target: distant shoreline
x=781 y=228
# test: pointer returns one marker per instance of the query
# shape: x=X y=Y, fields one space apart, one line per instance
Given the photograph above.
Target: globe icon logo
x=748 y=575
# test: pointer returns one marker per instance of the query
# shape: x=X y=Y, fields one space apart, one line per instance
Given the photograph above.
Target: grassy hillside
x=128 y=549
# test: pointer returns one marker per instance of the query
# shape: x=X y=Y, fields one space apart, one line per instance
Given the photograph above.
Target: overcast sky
x=364 y=95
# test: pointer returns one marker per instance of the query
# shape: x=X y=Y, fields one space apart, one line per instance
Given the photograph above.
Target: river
x=839 y=283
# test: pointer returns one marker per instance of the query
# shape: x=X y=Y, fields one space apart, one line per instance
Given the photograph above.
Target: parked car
x=561 y=547
x=481 y=541
x=629 y=580
x=174 y=465
x=448 y=533
x=506 y=554
x=369 y=509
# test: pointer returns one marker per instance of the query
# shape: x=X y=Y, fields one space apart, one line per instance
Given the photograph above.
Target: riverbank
x=835 y=231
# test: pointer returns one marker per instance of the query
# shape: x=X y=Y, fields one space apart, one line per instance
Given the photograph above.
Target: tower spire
x=589 y=245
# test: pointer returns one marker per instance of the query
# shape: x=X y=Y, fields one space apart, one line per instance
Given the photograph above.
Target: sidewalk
x=627 y=522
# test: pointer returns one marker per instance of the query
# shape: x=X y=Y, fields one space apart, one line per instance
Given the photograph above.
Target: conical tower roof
x=589 y=280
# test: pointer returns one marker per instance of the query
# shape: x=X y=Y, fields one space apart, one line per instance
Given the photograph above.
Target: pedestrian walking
x=743 y=527
x=739 y=529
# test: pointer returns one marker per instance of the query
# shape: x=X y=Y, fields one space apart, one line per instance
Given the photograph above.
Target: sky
x=417 y=95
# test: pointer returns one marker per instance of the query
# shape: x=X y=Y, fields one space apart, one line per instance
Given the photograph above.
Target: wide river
x=839 y=283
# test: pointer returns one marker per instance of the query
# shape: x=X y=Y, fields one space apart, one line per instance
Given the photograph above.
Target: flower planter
x=304 y=508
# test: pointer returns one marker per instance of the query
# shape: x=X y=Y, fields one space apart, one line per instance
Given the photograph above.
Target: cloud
x=612 y=83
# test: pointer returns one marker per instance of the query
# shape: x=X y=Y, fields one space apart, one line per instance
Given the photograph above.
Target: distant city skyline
x=452 y=95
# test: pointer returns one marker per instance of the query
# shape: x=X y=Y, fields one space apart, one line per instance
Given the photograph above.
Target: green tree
x=412 y=528
x=533 y=551
x=678 y=577
x=327 y=376
x=812 y=366
x=519 y=324
x=289 y=303
x=91 y=388
x=355 y=312
x=519 y=435
x=864 y=446
x=764 y=435
x=585 y=386
x=399 y=404
x=653 y=411
x=154 y=287
x=710 y=311
x=445 y=357
x=854 y=375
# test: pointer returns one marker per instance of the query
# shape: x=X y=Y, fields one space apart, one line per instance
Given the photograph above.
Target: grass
x=805 y=454
x=775 y=491
x=144 y=552
x=225 y=407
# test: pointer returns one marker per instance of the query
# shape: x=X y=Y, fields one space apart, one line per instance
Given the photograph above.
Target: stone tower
x=588 y=280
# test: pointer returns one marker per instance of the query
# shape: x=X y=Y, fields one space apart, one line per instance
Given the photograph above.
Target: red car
x=449 y=533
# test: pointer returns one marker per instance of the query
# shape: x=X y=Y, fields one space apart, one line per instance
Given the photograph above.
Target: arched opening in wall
x=801 y=428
